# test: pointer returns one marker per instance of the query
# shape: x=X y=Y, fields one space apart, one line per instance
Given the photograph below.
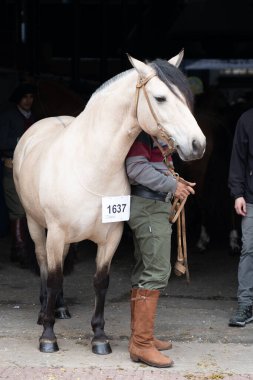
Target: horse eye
x=160 y=99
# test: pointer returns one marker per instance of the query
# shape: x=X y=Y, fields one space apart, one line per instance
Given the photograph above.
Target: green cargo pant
x=152 y=241
x=12 y=201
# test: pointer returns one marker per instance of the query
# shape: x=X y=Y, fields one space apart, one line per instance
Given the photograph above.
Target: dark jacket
x=12 y=126
x=240 y=180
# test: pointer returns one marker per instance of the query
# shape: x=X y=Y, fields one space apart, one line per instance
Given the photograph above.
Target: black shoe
x=242 y=316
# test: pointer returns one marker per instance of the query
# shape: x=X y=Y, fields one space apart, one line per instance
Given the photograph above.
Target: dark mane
x=171 y=75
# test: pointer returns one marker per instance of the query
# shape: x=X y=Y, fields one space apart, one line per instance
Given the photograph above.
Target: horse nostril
x=195 y=146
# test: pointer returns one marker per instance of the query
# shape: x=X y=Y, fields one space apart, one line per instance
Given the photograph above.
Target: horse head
x=164 y=105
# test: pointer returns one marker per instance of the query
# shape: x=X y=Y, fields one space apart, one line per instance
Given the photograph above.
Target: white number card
x=115 y=209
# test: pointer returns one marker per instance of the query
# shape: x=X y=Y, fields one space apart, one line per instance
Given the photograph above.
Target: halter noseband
x=170 y=140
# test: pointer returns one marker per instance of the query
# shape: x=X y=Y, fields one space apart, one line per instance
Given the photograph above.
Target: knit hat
x=22 y=90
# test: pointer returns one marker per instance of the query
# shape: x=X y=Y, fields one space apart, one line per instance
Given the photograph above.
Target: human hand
x=240 y=206
x=184 y=188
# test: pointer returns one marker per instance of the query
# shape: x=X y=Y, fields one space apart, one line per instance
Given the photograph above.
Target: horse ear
x=175 y=61
x=141 y=67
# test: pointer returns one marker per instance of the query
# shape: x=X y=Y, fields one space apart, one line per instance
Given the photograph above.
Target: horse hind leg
x=100 y=343
x=38 y=235
x=203 y=240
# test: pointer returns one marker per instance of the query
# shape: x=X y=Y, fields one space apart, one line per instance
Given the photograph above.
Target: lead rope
x=177 y=214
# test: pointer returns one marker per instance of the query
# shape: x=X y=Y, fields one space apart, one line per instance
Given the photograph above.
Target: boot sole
x=241 y=324
x=136 y=360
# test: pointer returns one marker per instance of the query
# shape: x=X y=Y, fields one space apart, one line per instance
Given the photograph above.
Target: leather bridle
x=169 y=139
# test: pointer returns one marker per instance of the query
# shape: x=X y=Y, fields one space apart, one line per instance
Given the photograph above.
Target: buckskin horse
x=64 y=166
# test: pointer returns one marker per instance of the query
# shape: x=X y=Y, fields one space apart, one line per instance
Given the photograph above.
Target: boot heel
x=134 y=358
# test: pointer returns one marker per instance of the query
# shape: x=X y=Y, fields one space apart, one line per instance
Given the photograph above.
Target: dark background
x=85 y=42
x=72 y=46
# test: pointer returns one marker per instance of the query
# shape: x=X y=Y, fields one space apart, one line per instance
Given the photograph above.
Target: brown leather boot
x=142 y=346
x=159 y=344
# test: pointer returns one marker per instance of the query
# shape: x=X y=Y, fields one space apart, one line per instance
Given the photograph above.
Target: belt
x=145 y=192
x=8 y=162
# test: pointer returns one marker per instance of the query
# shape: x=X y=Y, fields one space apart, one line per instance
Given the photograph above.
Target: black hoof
x=101 y=348
x=48 y=347
x=62 y=313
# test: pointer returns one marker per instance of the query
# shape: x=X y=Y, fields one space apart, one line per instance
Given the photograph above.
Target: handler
x=241 y=187
x=152 y=187
x=14 y=121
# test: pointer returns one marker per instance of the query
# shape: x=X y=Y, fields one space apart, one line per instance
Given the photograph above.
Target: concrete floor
x=193 y=316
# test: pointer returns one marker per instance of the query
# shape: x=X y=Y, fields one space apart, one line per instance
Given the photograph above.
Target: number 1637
x=116 y=209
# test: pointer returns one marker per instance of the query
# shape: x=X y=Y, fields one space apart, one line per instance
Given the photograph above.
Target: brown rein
x=177 y=210
x=178 y=215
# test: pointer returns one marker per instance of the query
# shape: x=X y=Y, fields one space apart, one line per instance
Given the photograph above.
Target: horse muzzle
x=196 y=150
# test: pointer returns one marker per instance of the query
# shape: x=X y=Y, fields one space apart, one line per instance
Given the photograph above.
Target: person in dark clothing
x=4 y=219
x=15 y=119
x=241 y=186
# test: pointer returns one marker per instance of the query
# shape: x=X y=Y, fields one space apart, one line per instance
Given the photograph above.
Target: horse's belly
x=54 y=194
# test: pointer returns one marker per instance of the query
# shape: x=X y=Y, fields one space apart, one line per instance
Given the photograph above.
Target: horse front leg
x=100 y=342
x=55 y=249
x=61 y=310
